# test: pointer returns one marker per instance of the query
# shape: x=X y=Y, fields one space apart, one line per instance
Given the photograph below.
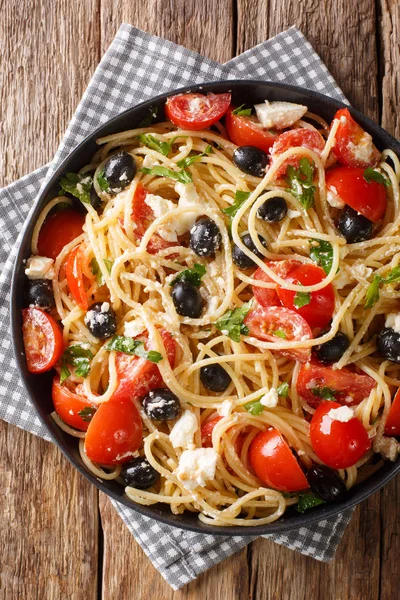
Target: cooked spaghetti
x=279 y=310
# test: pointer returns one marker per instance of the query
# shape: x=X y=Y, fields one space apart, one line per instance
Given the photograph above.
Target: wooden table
x=60 y=538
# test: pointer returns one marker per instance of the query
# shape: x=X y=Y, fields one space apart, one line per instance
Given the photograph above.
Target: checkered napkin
x=136 y=67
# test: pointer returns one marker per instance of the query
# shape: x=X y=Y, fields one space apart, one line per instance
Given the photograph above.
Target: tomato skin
x=243 y=131
x=269 y=297
x=348 y=135
x=58 y=230
x=67 y=405
x=293 y=138
x=138 y=376
x=274 y=463
x=74 y=274
x=114 y=433
x=43 y=340
x=262 y=322
x=351 y=387
x=392 y=426
x=339 y=445
x=196 y=111
x=367 y=197
x=206 y=432
x=319 y=311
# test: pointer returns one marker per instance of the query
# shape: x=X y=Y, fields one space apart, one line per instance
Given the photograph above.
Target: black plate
x=39 y=387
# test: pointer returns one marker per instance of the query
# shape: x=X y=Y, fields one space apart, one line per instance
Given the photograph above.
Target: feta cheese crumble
x=196 y=467
x=134 y=328
x=388 y=448
x=270 y=399
x=226 y=408
x=40 y=267
x=160 y=207
x=182 y=433
x=393 y=322
x=278 y=115
x=333 y=199
x=342 y=414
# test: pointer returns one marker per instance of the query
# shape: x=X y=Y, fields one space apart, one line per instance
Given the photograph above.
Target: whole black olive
x=101 y=321
x=118 y=171
x=240 y=258
x=205 y=237
x=273 y=210
x=40 y=293
x=214 y=378
x=139 y=474
x=353 y=226
x=326 y=483
x=333 y=350
x=187 y=300
x=251 y=160
x=161 y=405
x=95 y=199
x=388 y=343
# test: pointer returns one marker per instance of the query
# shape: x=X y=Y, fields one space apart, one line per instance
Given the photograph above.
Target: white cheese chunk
x=182 y=433
x=188 y=197
x=149 y=161
x=293 y=214
x=196 y=467
x=134 y=328
x=105 y=307
x=342 y=414
x=393 y=322
x=270 y=399
x=364 y=150
x=388 y=448
x=361 y=272
x=333 y=199
x=226 y=408
x=40 y=267
x=342 y=279
x=160 y=207
x=278 y=115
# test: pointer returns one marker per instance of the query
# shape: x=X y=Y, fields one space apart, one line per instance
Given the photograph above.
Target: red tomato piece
x=276 y=324
x=114 y=433
x=366 y=197
x=274 y=463
x=196 y=111
x=58 y=230
x=293 y=138
x=392 y=426
x=353 y=147
x=42 y=340
x=346 y=386
x=318 y=312
x=339 y=445
x=269 y=297
x=68 y=405
x=74 y=274
x=138 y=376
x=247 y=131
x=206 y=431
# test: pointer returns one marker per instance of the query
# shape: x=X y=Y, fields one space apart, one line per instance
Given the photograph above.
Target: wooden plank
x=48 y=524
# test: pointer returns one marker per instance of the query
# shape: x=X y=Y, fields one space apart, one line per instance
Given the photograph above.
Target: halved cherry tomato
x=353 y=147
x=42 y=340
x=142 y=216
x=247 y=131
x=338 y=444
x=367 y=197
x=392 y=426
x=206 y=432
x=277 y=324
x=138 y=376
x=346 y=386
x=74 y=274
x=68 y=405
x=196 y=111
x=274 y=463
x=318 y=312
x=114 y=433
x=308 y=138
x=269 y=297
x=58 y=230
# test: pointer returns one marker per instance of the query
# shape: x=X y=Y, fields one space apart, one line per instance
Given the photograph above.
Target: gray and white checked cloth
x=136 y=67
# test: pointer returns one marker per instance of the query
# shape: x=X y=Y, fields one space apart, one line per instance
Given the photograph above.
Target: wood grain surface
x=58 y=538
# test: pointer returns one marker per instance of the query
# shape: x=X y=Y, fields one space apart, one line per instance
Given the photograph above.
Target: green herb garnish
x=254 y=408
x=371 y=174
x=183 y=176
x=78 y=185
x=102 y=181
x=280 y=333
x=189 y=160
x=240 y=199
x=372 y=295
x=231 y=323
x=283 y=389
x=321 y=252
x=160 y=146
x=308 y=500
x=192 y=276
x=326 y=393
x=242 y=112
x=94 y=267
x=128 y=345
x=300 y=182
x=301 y=299
x=87 y=413
x=77 y=357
